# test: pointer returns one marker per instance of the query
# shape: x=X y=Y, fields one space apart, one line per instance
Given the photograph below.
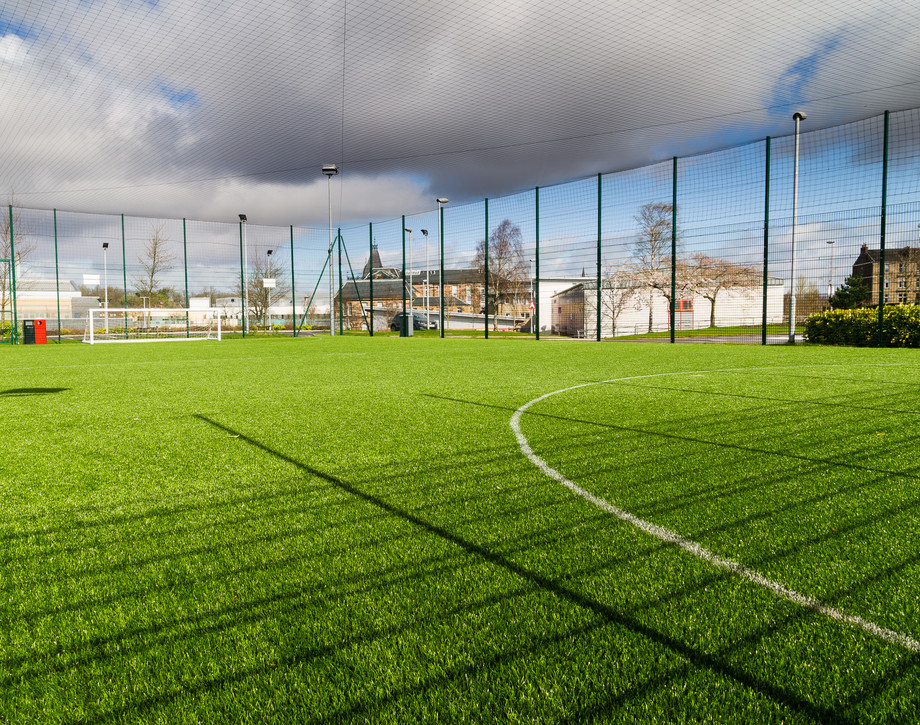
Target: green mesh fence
x=701 y=248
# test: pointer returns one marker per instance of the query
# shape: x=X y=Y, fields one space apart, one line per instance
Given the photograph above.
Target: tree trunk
x=651 y=299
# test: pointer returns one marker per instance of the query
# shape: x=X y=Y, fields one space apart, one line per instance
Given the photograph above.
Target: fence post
x=766 y=244
x=57 y=277
x=599 y=228
x=673 y=246
x=14 y=333
x=185 y=266
x=485 y=246
x=124 y=271
x=370 y=266
x=243 y=282
x=881 y=256
x=338 y=236
x=404 y=268
x=293 y=291
x=536 y=281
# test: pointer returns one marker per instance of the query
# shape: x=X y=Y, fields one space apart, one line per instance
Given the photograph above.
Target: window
x=902 y=297
x=901 y=267
x=902 y=283
x=887 y=282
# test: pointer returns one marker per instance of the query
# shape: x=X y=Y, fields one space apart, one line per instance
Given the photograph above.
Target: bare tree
x=618 y=288
x=260 y=298
x=507 y=266
x=16 y=246
x=155 y=262
x=653 y=252
x=808 y=300
x=710 y=275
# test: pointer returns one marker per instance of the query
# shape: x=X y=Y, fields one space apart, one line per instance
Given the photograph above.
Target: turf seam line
x=687 y=545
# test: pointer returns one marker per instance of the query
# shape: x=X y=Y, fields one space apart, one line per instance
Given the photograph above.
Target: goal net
x=152 y=325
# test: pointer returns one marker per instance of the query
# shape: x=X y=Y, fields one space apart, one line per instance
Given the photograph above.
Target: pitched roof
x=895 y=254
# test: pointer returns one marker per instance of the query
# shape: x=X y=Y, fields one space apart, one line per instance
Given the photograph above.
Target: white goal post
x=148 y=324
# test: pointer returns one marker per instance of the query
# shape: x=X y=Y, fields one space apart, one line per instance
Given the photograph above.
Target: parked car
x=419 y=321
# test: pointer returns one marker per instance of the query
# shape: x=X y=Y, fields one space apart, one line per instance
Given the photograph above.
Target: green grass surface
x=335 y=530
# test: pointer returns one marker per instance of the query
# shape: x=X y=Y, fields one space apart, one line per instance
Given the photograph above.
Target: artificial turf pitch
x=335 y=530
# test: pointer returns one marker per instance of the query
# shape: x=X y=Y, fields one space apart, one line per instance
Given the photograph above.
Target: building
x=632 y=310
x=902 y=274
x=464 y=297
x=38 y=299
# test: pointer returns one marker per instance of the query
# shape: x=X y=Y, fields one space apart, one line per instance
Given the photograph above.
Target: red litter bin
x=34 y=332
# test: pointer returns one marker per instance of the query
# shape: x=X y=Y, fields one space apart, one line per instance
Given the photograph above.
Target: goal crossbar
x=152 y=324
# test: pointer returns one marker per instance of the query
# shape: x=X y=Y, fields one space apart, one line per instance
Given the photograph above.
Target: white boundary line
x=659 y=532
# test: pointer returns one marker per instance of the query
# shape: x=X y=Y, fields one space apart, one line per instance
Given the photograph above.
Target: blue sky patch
x=790 y=88
x=11 y=26
x=184 y=99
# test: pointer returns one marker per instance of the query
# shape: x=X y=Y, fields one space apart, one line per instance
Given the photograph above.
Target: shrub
x=900 y=327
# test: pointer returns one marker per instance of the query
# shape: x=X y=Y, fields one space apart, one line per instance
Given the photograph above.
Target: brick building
x=902 y=274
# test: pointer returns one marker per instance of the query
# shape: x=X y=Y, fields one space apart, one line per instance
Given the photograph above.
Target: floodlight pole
x=427 y=279
x=441 y=200
x=798 y=116
x=244 y=275
x=105 y=271
x=330 y=170
x=830 y=282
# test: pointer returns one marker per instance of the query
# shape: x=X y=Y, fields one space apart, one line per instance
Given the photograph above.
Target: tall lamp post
x=266 y=320
x=244 y=275
x=798 y=116
x=441 y=201
x=427 y=279
x=330 y=170
x=830 y=282
x=105 y=280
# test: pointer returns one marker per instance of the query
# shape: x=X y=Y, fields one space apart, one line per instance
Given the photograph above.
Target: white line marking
x=659 y=532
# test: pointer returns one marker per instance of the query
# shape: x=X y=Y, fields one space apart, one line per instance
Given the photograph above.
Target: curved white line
x=659 y=532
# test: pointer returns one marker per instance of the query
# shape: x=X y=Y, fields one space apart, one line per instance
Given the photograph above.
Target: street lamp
x=441 y=200
x=427 y=280
x=105 y=269
x=798 y=116
x=245 y=265
x=330 y=170
x=830 y=282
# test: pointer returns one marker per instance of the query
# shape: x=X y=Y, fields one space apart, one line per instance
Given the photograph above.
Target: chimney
x=864 y=248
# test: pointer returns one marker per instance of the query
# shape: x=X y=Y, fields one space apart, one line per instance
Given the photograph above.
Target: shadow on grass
x=22 y=392
x=606 y=613
x=606 y=616
x=685 y=439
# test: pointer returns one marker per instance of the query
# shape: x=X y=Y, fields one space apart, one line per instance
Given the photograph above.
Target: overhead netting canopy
x=204 y=108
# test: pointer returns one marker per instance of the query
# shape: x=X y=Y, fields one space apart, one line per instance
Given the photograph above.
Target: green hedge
x=900 y=327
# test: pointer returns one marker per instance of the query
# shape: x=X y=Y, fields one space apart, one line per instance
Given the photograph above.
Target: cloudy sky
x=204 y=109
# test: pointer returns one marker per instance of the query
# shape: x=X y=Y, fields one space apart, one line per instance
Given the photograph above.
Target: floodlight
x=424 y=231
x=330 y=169
x=799 y=116
x=408 y=230
x=269 y=252
x=442 y=200
x=105 y=245
x=242 y=217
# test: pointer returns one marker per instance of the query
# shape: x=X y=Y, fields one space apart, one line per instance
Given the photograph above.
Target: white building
x=627 y=312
